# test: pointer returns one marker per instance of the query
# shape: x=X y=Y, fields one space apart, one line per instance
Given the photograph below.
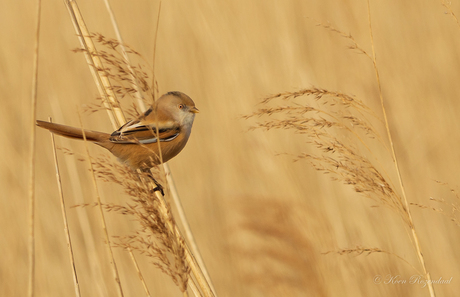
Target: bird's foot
x=158 y=188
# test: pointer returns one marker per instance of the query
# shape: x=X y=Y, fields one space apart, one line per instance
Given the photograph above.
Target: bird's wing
x=145 y=132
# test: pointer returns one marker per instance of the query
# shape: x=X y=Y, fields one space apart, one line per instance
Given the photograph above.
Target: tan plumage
x=136 y=142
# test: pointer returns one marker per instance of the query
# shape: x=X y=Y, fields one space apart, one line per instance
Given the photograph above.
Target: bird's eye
x=181 y=106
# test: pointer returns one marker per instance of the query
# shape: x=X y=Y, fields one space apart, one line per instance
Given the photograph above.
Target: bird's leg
x=158 y=187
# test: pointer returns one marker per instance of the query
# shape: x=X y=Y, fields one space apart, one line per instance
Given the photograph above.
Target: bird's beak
x=194 y=110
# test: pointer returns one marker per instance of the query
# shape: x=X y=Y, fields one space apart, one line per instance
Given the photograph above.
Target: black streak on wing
x=128 y=137
x=139 y=129
x=149 y=111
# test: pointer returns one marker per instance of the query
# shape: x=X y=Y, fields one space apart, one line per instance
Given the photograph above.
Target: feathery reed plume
x=122 y=78
x=452 y=204
x=138 y=94
x=448 y=6
x=154 y=238
x=281 y=260
x=321 y=116
x=340 y=159
x=103 y=83
x=126 y=80
x=338 y=129
x=359 y=250
x=353 y=43
x=102 y=78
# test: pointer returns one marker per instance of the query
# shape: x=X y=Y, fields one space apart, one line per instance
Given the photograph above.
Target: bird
x=167 y=122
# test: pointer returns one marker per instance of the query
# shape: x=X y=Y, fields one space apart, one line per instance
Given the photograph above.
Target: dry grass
x=334 y=124
x=115 y=67
x=227 y=56
x=126 y=79
x=452 y=203
x=342 y=159
x=280 y=259
x=326 y=117
x=112 y=67
x=154 y=238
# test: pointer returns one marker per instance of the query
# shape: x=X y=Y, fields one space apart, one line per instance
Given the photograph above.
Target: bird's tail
x=73 y=132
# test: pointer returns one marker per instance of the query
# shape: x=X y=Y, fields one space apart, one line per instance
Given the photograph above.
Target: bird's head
x=180 y=106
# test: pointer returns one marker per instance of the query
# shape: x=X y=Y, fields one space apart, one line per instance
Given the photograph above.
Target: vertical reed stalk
x=101 y=212
x=169 y=178
x=194 y=266
x=100 y=286
x=395 y=161
x=117 y=118
x=139 y=273
x=135 y=86
x=155 y=51
x=31 y=276
x=64 y=217
x=95 y=66
x=185 y=224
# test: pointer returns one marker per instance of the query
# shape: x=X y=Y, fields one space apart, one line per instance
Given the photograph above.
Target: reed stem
x=31 y=245
x=395 y=162
x=64 y=217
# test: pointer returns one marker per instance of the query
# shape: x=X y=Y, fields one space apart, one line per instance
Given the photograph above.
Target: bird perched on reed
x=168 y=122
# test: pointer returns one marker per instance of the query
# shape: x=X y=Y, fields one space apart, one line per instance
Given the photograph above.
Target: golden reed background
x=261 y=220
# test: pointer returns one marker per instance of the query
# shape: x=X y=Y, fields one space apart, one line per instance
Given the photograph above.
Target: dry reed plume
x=280 y=261
x=158 y=237
x=213 y=52
x=328 y=119
x=126 y=79
x=154 y=238
x=452 y=204
x=339 y=133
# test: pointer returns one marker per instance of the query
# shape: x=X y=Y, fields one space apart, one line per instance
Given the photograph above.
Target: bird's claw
x=159 y=188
